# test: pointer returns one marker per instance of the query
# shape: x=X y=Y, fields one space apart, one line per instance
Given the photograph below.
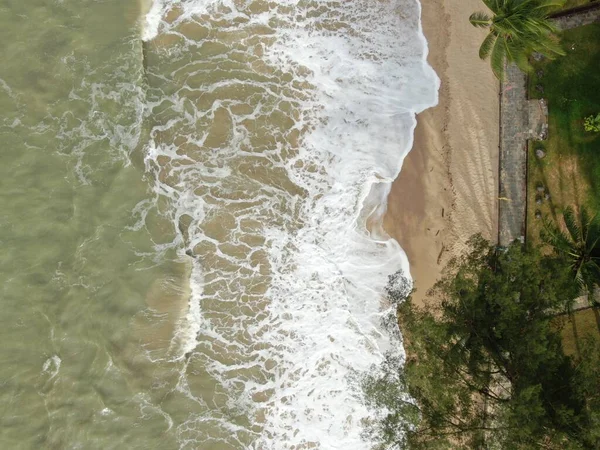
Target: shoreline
x=447 y=189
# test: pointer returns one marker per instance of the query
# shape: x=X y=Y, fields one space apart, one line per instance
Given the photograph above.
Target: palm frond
x=571 y=224
x=542 y=23
x=579 y=243
x=507 y=26
x=585 y=224
x=522 y=62
x=586 y=220
x=548 y=45
x=518 y=54
x=524 y=6
x=520 y=28
x=556 y=238
x=493 y=5
x=536 y=27
x=592 y=237
x=481 y=20
x=589 y=279
x=580 y=279
x=548 y=6
x=498 y=58
x=487 y=44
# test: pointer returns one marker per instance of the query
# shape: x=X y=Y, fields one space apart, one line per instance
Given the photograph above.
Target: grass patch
x=577 y=327
x=570 y=171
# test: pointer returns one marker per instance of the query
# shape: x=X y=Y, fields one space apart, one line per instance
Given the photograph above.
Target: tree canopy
x=486 y=366
x=579 y=242
x=517 y=29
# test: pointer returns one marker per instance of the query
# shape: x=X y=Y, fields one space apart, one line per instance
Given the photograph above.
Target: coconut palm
x=517 y=29
x=579 y=243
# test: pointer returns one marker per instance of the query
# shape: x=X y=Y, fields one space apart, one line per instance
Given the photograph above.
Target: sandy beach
x=447 y=189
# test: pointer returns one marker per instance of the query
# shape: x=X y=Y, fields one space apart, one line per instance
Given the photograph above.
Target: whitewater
x=287 y=123
x=193 y=252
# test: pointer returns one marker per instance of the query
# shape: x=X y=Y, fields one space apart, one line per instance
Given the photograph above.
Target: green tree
x=587 y=382
x=579 y=243
x=486 y=366
x=517 y=29
x=592 y=123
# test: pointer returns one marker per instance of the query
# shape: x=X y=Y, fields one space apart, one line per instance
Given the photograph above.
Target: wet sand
x=447 y=189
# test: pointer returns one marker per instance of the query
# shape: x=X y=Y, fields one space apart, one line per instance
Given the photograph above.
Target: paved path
x=512 y=198
x=578 y=17
x=522 y=119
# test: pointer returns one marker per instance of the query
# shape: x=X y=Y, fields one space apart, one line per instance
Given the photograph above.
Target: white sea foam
x=152 y=20
x=283 y=356
x=51 y=366
x=97 y=122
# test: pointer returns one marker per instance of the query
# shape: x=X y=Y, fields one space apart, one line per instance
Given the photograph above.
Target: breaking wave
x=275 y=131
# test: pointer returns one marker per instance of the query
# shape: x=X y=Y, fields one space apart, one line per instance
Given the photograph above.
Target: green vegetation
x=569 y=174
x=486 y=366
x=498 y=358
x=592 y=123
x=578 y=242
x=517 y=29
x=577 y=327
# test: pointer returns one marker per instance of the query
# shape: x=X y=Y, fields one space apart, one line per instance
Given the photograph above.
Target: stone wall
x=578 y=17
x=522 y=119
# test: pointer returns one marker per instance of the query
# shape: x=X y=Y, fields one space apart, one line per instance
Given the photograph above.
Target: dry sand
x=448 y=187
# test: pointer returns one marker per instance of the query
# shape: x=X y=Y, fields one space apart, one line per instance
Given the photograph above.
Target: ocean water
x=192 y=255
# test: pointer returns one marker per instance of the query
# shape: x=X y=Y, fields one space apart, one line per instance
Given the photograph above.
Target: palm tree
x=579 y=243
x=517 y=29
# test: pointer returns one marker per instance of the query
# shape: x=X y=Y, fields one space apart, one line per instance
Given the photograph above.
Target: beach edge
x=447 y=188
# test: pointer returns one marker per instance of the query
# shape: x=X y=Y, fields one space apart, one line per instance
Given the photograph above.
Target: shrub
x=592 y=123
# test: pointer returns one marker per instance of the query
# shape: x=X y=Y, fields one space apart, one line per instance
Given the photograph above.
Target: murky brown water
x=185 y=263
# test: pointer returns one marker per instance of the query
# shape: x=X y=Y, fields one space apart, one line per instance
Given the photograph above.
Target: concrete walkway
x=522 y=119
x=578 y=17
